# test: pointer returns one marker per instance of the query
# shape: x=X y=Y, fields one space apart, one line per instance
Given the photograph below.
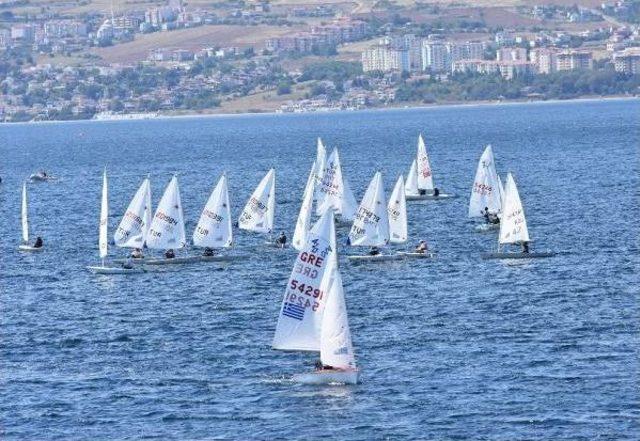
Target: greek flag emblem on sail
x=292 y=310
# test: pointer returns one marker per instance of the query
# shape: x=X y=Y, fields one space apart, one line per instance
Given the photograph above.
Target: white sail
x=397 y=210
x=349 y=203
x=486 y=190
x=133 y=228
x=425 y=178
x=336 y=348
x=25 y=214
x=214 y=227
x=167 y=226
x=304 y=217
x=331 y=186
x=321 y=159
x=300 y=320
x=258 y=214
x=513 y=226
x=371 y=225
x=411 y=186
x=103 y=241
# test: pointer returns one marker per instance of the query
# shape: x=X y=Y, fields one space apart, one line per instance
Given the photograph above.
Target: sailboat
x=487 y=191
x=513 y=227
x=419 y=184
x=25 y=224
x=166 y=231
x=133 y=228
x=306 y=210
x=371 y=225
x=335 y=193
x=103 y=241
x=321 y=159
x=303 y=325
x=214 y=229
x=259 y=212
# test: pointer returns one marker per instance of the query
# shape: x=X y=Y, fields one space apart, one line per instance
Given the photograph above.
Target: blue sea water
x=455 y=348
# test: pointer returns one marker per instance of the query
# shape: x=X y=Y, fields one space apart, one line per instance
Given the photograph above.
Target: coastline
x=410 y=106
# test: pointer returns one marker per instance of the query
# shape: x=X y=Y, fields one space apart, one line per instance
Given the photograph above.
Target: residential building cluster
x=321 y=36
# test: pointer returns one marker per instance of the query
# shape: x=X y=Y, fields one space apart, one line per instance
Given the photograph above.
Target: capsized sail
x=167 y=226
x=513 y=226
x=397 y=210
x=25 y=214
x=214 y=228
x=300 y=319
x=486 y=190
x=336 y=348
x=133 y=228
x=425 y=177
x=258 y=214
x=371 y=225
x=103 y=241
x=304 y=217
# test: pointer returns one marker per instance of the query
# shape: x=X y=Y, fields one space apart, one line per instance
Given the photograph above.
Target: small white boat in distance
x=371 y=225
x=513 y=227
x=214 y=229
x=334 y=191
x=259 y=212
x=25 y=225
x=103 y=242
x=486 y=193
x=41 y=176
x=419 y=185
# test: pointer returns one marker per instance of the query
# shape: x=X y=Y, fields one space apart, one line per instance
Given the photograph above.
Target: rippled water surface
x=455 y=348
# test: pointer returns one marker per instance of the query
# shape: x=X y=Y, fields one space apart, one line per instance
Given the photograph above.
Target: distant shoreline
x=414 y=106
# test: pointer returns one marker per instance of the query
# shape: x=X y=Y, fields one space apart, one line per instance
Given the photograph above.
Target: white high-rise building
x=435 y=57
x=386 y=59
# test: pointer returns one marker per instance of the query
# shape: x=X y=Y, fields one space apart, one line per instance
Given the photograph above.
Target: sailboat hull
x=517 y=255
x=376 y=258
x=29 y=248
x=181 y=260
x=328 y=377
x=272 y=244
x=483 y=228
x=114 y=270
x=418 y=255
x=429 y=197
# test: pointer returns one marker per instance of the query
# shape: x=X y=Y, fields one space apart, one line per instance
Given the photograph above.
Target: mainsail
x=349 y=203
x=300 y=320
x=258 y=214
x=134 y=226
x=411 y=186
x=486 y=191
x=425 y=177
x=25 y=214
x=167 y=227
x=371 y=225
x=513 y=226
x=304 y=218
x=336 y=348
x=397 y=210
x=214 y=227
x=332 y=186
x=321 y=159
x=104 y=218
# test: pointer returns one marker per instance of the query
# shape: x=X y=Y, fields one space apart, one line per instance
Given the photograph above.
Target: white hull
x=519 y=255
x=29 y=248
x=275 y=245
x=40 y=178
x=179 y=260
x=483 y=228
x=328 y=377
x=414 y=255
x=429 y=197
x=114 y=270
x=376 y=258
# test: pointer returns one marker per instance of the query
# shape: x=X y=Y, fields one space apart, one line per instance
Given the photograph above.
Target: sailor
x=319 y=366
x=137 y=253
x=491 y=218
x=169 y=254
x=281 y=241
x=208 y=252
x=38 y=243
x=422 y=191
x=525 y=247
x=374 y=251
x=436 y=192
x=422 y=248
